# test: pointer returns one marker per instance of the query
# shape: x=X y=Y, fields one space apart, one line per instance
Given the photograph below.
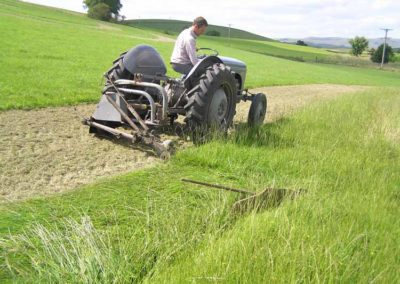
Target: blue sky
x=276 y=19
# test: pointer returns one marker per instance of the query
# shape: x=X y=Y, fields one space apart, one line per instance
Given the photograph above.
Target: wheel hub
x=260 y=112
x=218 y=107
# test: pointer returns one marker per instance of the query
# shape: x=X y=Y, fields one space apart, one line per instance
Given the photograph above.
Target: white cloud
x=285 y=18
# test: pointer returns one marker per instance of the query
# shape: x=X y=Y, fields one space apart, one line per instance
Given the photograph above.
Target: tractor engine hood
x=236 y=65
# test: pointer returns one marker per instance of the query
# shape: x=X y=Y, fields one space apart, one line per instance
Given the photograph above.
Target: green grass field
x=45 y=62
x=147 y=226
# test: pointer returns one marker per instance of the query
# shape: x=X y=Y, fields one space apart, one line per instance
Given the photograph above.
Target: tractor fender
x=144 y=59
x=193 y=77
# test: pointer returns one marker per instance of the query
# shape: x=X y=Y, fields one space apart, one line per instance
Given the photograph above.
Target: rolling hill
x=176 y=26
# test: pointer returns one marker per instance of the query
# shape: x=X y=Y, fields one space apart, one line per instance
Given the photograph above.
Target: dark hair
x=200 y=21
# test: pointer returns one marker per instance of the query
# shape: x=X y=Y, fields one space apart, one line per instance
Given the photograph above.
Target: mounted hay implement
x=139 y=96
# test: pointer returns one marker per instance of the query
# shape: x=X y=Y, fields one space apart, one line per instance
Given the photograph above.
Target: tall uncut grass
x=344 y=229
x=148 y=226
x=122 y=248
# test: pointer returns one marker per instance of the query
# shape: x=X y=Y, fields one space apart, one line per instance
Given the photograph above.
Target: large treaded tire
x=200 y=111
x=116 y=72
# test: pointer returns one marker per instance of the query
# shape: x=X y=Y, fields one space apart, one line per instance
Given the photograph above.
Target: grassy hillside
x=53 y=57
x=176 y=26
x=344 y=227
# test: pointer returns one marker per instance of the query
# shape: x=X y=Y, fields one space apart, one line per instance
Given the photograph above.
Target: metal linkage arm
x=150 y=85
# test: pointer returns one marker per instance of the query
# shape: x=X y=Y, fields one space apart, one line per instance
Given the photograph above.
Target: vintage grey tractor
x=138 y=95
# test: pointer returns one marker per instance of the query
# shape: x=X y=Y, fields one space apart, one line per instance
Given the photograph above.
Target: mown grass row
x=149 y=226
x=277 y=49
x=51 y=57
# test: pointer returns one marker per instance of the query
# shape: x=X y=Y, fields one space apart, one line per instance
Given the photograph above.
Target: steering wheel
x=211 y=52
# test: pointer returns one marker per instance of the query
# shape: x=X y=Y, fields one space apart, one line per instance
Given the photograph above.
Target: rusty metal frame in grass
x=267 y=198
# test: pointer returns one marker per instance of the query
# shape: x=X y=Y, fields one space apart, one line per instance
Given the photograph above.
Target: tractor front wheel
x=258 y=110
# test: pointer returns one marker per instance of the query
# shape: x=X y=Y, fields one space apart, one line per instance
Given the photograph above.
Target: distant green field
x=277 y=49
x=52 y=57
x=176 y=26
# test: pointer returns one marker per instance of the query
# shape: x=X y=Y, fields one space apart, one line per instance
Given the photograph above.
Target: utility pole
x=384 y=46
x=229 y=34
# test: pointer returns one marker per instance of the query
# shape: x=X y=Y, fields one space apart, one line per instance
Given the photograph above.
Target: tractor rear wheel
x=213 y=104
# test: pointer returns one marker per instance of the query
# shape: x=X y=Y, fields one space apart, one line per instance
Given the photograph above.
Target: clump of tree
x=302 y=43
x=358 y=45
x=213 y=33
x=377 y=55
x=100 y=11
x=104 y=10
x=371 y=51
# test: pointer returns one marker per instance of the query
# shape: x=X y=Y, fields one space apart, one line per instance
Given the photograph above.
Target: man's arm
x=191 y=51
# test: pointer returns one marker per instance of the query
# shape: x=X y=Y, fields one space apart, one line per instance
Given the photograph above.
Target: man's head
x=199 y=25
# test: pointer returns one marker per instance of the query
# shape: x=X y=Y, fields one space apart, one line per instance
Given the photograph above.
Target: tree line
x=360 y=44
x=104 y=10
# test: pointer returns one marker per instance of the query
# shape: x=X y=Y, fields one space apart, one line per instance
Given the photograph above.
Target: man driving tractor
x=207 y=97
x=184 y=55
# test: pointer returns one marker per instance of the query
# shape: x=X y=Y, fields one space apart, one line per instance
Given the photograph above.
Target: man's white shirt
x=185 y=48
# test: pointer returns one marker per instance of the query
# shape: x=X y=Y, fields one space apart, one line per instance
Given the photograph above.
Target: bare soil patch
x=47 y=151
x=283 y=100
x=163 y=38
x=157 y=38
x=101 y=26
